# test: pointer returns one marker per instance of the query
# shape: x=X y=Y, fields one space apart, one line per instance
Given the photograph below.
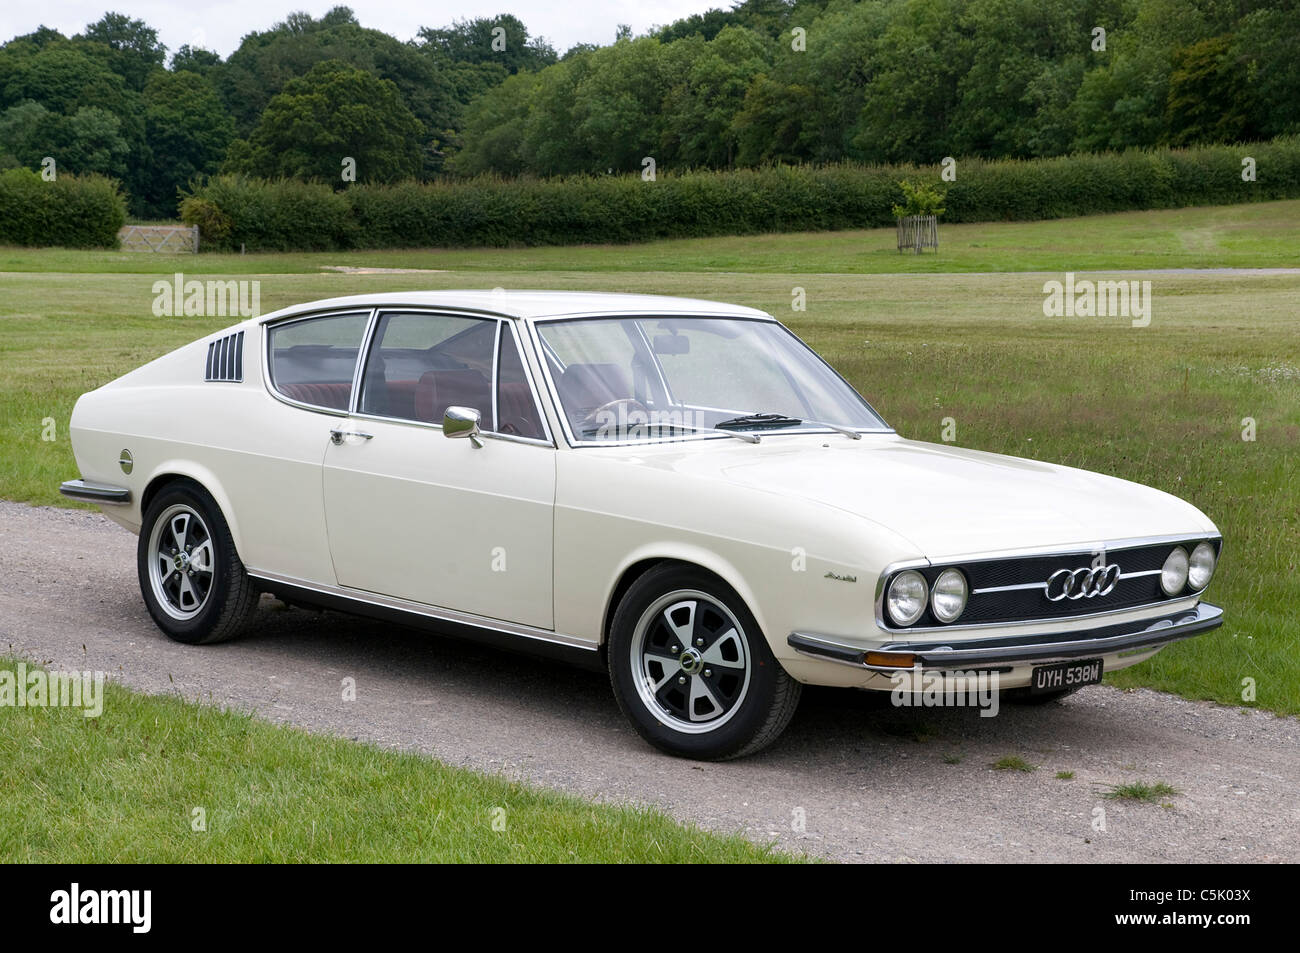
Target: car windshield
x=661 y=378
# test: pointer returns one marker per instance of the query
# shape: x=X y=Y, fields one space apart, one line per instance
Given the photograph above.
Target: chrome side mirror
x=462 y=422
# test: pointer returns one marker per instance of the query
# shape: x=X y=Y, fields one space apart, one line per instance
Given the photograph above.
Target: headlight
x=948 y=597
x=1173 y=577
x=1201 y=566
x=906 y=597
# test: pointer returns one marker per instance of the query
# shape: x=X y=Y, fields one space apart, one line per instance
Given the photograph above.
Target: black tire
x=215 y=599
x=750 y=696
x=1022 y=696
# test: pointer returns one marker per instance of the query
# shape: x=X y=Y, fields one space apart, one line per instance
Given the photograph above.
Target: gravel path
x=869 y=782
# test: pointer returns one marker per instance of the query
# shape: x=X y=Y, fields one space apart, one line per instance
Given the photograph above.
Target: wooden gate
x=172 y=238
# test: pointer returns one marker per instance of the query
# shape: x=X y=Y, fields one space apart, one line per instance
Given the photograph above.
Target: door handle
x=336 y=436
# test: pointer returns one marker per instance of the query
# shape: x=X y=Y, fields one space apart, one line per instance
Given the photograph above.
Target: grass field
x=1263 y=235
x=1163 y=405
x=123 y=788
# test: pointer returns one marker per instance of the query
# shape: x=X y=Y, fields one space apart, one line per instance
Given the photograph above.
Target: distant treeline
x=767 y=81
x=289 y=215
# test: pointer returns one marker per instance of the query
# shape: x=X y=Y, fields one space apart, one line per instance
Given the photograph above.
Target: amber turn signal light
x=889 y=659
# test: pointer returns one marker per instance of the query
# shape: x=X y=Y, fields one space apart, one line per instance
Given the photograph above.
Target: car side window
x=313 y=360
x=517 y=412
x=420 y=364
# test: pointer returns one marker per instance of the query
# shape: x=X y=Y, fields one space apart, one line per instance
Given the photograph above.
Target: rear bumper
x=96 y=492
x=1004 y=652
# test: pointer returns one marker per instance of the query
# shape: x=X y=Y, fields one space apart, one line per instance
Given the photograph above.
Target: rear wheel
x=192 y=580
x=692 y=671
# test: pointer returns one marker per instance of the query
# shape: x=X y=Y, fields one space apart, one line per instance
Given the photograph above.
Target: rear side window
x=313 y=360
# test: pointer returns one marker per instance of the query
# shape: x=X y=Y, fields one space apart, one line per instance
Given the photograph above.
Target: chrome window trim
x=540 y=347
x=494 y=382
x=500 y=320
x=993 y=556
x=268 y=379
x=807 y=347
x=533 y=389
x=358 y=372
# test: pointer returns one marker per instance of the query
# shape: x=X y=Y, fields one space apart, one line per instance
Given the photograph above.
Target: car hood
x=946 y=500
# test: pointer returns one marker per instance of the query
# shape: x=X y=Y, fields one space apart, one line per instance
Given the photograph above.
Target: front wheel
x=192 y=580
x=692 y=671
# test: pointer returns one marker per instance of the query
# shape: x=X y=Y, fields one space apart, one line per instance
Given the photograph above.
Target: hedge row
x=289 y=215
x=71 y=211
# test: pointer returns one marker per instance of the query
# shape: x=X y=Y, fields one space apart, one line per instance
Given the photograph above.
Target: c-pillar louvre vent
x=226 y=359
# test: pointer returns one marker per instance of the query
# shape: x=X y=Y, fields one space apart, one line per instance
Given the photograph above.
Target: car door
x=462 y=524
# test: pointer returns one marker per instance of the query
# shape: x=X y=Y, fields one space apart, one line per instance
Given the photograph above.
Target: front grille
x=1030 y=605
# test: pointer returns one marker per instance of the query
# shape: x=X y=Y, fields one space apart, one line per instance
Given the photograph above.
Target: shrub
x=279 y=215
x=72 y=211
x=214 y=225
x=491 y=211
x=919 y=199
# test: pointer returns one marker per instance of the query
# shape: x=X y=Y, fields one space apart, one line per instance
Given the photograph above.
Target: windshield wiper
x=781 y=420
x=738 y=434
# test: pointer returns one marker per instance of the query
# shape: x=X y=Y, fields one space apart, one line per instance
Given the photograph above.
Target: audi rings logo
x=1082 y=583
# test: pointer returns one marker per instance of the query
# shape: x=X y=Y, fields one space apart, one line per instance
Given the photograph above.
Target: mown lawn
x=1163 y=405
x=1258 y=235
x=124 y=788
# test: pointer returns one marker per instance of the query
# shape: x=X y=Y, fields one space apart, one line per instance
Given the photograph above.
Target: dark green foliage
x=489 y=211
x=334 y=112
x=71 y=211
x=501 y=40
x=759 y=83
x=270 y=216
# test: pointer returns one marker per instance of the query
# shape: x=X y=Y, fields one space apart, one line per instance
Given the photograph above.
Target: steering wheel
x=593 y=419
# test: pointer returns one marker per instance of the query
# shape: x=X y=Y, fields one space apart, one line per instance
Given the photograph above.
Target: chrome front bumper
x=95 y=492
x=1006 y=652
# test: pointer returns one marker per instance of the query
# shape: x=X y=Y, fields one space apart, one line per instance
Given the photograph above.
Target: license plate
x=1053 y=678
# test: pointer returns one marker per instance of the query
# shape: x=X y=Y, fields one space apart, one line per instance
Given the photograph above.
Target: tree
x=1015 y=49
x=1206 y=103
x=135 y=52
x=698 y=111
x=503 y=40
x=618 y=103
x=89 y=140
x=265 y=62
x=188 y=130
x=334 y=112
x=908 y=106
x=195 y=59
x=1267 y=54
x=495 y=127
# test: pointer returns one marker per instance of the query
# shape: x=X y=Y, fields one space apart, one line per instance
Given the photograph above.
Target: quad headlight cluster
x=909 y=594
x=1182 y=571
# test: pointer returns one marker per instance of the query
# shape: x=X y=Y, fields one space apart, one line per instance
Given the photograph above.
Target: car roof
x=527 y=304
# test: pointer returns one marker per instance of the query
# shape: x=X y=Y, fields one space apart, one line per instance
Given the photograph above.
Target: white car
x=679 y=491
